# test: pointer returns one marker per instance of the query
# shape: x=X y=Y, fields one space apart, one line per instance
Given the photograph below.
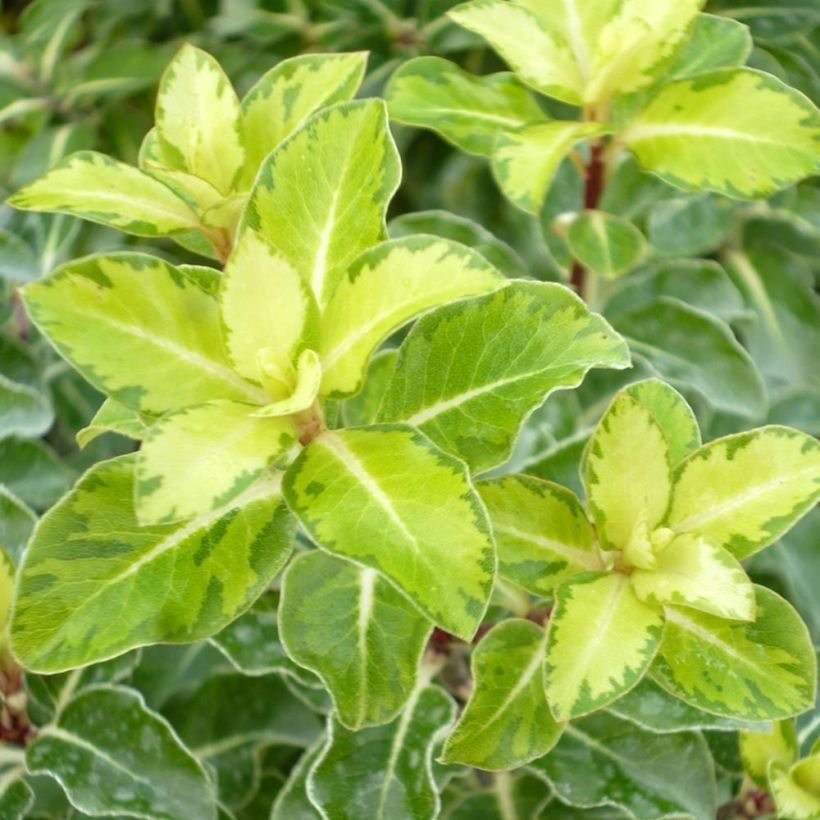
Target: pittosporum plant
x=333 y=503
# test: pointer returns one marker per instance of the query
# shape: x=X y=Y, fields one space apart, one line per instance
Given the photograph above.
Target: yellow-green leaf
x=739 y=132
x=627 y=473
x=796 y=790
x=525 y=161
x=602 y=639
x=197 y=117
x=281 y=100
x=760 y=670
x=268 y=313
x=759 y=749
x=541 y=531
x=506 y=722
x=383 y=289
x=692 y=572
x=96 y=187
x=745 y=491
x=200 y=458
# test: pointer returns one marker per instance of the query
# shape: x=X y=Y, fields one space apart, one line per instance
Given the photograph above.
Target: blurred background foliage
x=740 y=278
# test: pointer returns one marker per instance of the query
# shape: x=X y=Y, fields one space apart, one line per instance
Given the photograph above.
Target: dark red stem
x=593 y=190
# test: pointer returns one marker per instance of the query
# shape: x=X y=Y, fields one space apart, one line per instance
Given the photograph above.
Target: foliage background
x=80 y=74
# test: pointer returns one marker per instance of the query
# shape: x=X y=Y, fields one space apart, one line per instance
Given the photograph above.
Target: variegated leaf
x=113 y=417
x=199 y=459
x=796 y=789
x=605 y=244
x=541 y=531
x=321 y=196
x=387 y=286
x=758 y=749
x=763 y=670
x=351 y=627
x=388 y=498
x=506 y=722
x=93 y=583
x=746 y=490
x=602 y=639
x=283 y=98
x=105 y=310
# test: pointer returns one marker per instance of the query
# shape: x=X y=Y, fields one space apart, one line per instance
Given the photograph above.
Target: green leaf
x=541 y=530
x=605 y=244
x=105 y=310
x=16 y=796
x=636 y=45
x=739 y=132
x=671 y=413
x=700 y=283
x=292 y=802
x=693 y=350
x=356 y=632
x=460 y=229
x=281 y=100
x=764 y=670
x=526 y=160
x=539 y=57
x=113 y=417
x=693 y=572
x=796 y=791
x=258 y=283
x=252 y=644
x=470 y=112
x=16 y=523
x=690 y=225
x=96 y=187
x=383 y=772
x=602 y=639
x=197 y=118
x=363 y=408
x=627 y=475
x=107 y=735
x=506 y=722
x=347 y=153
x=32 y=471
x=758 y=749
x=89 y=558
x=746 y=490
x=25 y=410
x=389 y=499
x=603 y=761
x=199 y=459
x=476 y=395
x=387 y=286
x=229 y=718
x=714 y=42
x=652 y=708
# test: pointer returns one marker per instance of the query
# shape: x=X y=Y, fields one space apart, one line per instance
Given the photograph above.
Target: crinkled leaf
x=739 y=132
x=197 y=117
x=759 y=749
x=89 y=559
x=484 y=364
x=602 y=639
x=745 y=491
x=356 y=631
x=796 y=790
x=763 y=670
x=506 y=722
x=105 y=310
x=108 y=735
x=96 y=187
x=468 y=111
x=199 y=459
x=603 y=761
x=541 y=531
x=283 y=98
x=383 y=289
x=388 y=498
x=525 y=160
x=321 y=196
x=383 y=772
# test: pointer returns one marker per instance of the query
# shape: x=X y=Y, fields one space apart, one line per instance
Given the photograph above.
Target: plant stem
x=593 y=190
x=15 y=726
